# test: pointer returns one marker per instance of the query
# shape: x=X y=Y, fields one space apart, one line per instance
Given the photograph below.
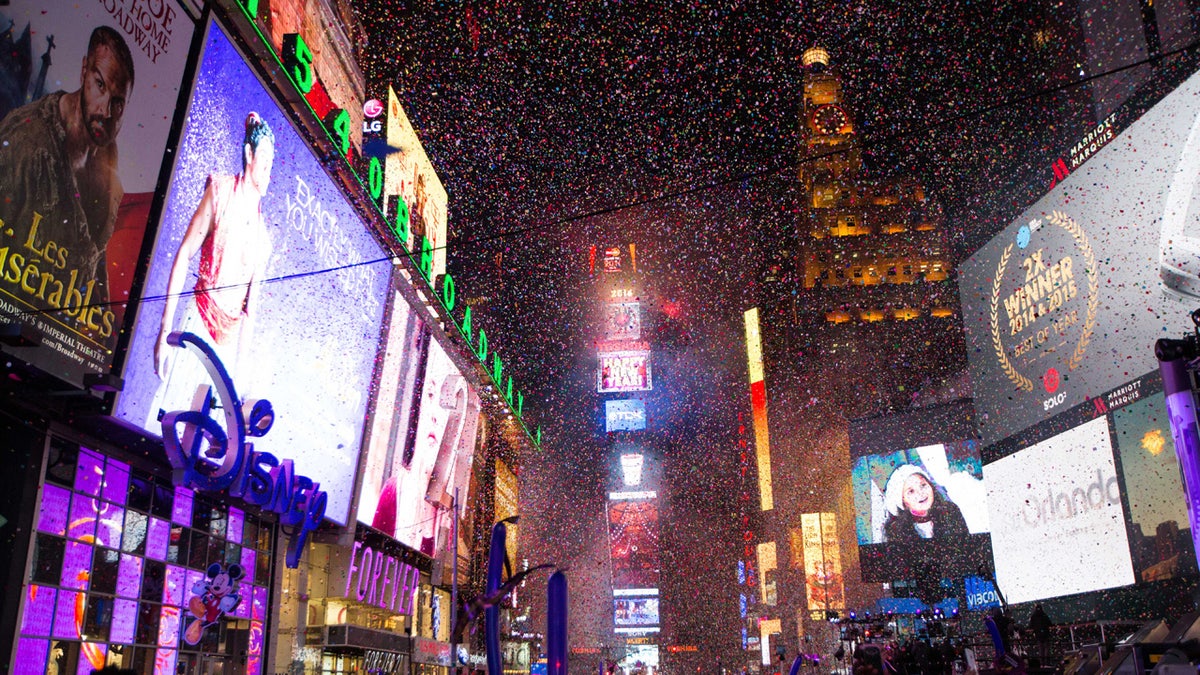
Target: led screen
x=1059 y=501
x=1067 y=301
x=409 y=174
x=624 y=415
x=635 y=611
x=919 y=493
x=624 y=371
x=415 y=503
x=1160 y=537
x=394 y=406
x=622 y=321
x=633 y=543
x=822 y=562
x=284 y=287
x=612 y=259
x=640 y=658
x=506 y=507
x=72 y=237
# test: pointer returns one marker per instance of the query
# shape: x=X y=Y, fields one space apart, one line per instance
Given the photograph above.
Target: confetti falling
x=556 y=129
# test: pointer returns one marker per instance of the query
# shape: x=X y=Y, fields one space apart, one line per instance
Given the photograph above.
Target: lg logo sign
x=372 y=109
x=1051 y=381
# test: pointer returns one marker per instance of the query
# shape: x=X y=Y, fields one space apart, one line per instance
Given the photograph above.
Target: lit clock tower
x=829 y=153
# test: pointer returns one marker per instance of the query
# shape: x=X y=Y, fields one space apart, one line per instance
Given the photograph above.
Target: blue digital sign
x=624 y=415
x=981 y=593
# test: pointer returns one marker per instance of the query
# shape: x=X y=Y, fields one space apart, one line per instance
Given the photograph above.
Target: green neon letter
x=250 y=7
x=338 y=121
x=497 y=369
x=297 y=61
x=520 y=403
x=400 y=225
x=448 y=296
x=375 y=178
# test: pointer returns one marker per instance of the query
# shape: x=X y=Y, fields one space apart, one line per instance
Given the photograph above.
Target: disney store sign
x=209 y=456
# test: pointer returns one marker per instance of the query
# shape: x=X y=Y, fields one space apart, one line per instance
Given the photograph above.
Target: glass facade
x=120 y=568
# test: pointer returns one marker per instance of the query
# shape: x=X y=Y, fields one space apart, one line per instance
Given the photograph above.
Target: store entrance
x=205 y=664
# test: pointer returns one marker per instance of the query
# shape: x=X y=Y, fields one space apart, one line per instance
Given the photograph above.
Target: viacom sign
x=209 y=456
x=1067 y=301
x=624 y=415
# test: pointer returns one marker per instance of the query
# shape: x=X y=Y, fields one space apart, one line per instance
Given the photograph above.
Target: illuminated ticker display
x=758 y=404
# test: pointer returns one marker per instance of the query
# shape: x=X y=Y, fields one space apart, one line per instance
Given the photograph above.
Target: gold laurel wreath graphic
x=1022 y=382
x=1067 y=223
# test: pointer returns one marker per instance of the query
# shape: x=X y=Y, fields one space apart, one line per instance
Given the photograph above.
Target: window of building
x=117 y=554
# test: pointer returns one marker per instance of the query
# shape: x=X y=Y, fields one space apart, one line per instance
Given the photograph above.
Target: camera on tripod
x=1187 y=347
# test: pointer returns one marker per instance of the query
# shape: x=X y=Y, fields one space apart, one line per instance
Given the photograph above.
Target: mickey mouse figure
x=214 y=597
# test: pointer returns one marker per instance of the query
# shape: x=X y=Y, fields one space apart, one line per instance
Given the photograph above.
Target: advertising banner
x=1160 y=533
x=633 y=543
x=624 y=415
x=635 y=611
x=623 y=321
x=1059 y=500
x=1067 y=302
x=395 y=406
x=414 y=505
x=981 y=593
x=409 y=174
x=86 y=94
x=822 y=562
x=259 y=255
x=919 y=493
x=506 y=507
x=624 y=371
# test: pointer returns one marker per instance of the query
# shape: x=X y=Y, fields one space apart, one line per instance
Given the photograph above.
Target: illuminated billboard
x=1160 y=534
x=410 y=175
x=822 y=562
x=612 y=259
x=919 y=492
x=635 y=611
x=259 y=254
x=622 y=321
x=75 y=212
x=624 y=415
x=1068 y=300
x=633 y=543
x=624 y=371
x=768 y=569
x=758 y=404
x=631 y=469
x=394 y=407
x=506 y=507
x=1059 y=500
x=414 y=505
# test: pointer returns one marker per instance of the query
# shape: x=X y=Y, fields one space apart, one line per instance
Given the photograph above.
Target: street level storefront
x=350 y=607
x=127 y=569
x=431 y=657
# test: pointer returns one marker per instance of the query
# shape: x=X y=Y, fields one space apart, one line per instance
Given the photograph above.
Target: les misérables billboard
x=88 y=93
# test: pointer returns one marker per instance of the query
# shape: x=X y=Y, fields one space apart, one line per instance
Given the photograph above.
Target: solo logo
x=1101 y=494
x=206 y=456
x=1050 y=381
